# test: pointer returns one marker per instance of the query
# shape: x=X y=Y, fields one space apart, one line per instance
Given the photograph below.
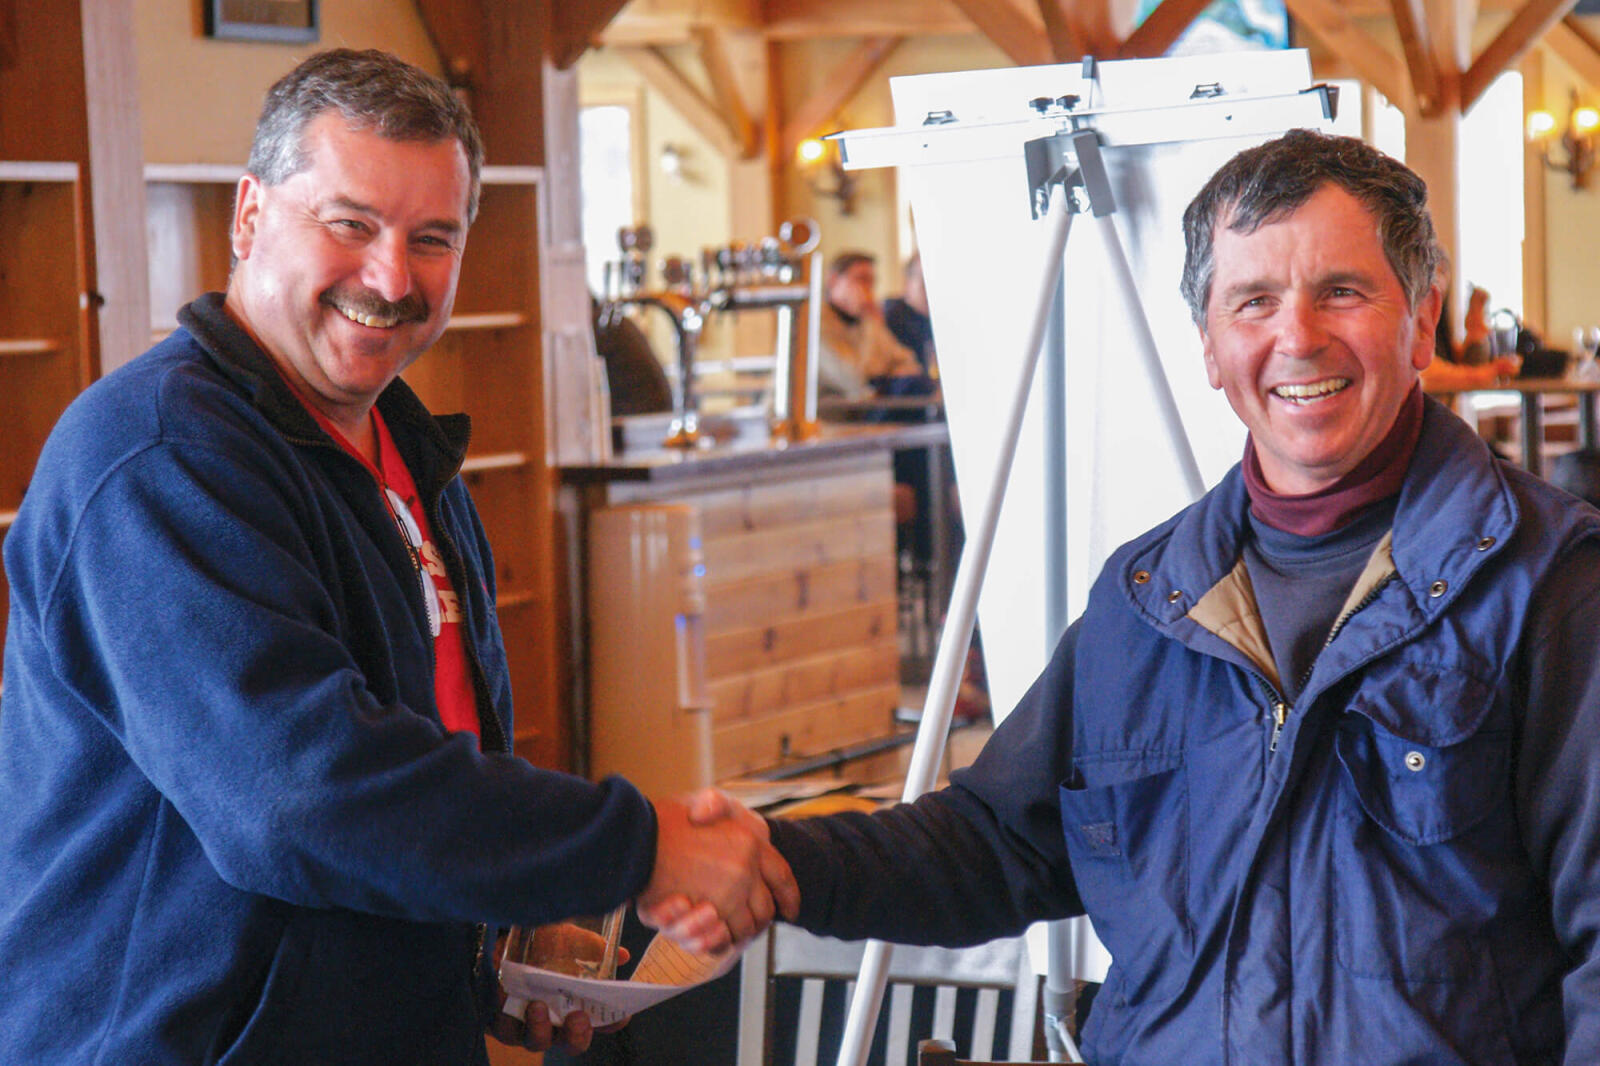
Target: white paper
x=664 y=971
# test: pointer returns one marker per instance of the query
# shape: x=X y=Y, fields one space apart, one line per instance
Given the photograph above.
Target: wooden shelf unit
x=44 y=351
x=487 y=365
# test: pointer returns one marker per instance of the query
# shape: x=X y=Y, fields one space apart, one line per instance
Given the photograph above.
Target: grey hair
x=372 y=91
x=1271 y=181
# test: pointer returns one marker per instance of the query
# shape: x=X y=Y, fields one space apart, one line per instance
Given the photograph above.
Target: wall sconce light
x=1577 y=140
x=671 y=161
x=820 y=161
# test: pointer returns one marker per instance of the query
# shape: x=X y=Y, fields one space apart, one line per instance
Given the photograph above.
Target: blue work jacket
x=232 y=826
x=1403 y=866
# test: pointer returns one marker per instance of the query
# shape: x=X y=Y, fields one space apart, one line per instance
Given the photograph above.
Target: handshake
x=717 y=883
x=717 y=880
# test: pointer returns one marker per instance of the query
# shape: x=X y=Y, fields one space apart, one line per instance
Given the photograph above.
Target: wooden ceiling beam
x=1161 y=28
x=842 y=83
x=1577 y=48
x=8 y=34
x=456 y=29
x=797 y=19
x=1411 y=24
x=713 y=46
x=683 y=97
x=575 y=27
x=1015 y=32
x=1066 y=40
x=1525 y=29
x=669 y=21
x=1371 y=61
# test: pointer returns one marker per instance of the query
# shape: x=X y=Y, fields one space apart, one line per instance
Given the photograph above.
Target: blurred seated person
x=907 y=317
x=1467 y=366
x=637 y=381
x=858 y=357
x=1579 y=474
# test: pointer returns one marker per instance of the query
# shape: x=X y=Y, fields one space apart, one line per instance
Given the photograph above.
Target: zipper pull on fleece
x=1279 y=713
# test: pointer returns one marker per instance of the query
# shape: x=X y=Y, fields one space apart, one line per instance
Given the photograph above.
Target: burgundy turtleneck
x=1375 y=478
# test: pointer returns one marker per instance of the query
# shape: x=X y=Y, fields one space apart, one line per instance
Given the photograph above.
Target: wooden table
x=1531 y=392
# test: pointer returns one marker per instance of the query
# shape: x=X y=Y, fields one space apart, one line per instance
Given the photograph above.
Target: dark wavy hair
x=373 y=91
x=1269 y=182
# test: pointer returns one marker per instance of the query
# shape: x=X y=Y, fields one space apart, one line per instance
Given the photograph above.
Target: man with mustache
x=1321 y=758
x=259 y=800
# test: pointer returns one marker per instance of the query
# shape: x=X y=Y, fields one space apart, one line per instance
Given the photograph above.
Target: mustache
x=409 y=308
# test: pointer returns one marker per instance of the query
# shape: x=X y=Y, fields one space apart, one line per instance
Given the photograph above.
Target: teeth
x=1303 y=394
x=368 y=320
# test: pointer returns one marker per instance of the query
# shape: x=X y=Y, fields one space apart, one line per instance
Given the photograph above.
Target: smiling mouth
x=1301 y=395
x=367 y=309
x=371 y=321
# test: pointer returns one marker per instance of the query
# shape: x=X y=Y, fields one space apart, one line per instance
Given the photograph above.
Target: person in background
x=1321 y=758
x=259 y=798
x=634 y=376
x=907 y=317
x=858 y=356
x=1578 y=473
x=1468 y=366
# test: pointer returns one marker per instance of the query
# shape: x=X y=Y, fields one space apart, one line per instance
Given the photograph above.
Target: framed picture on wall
x=262 y=20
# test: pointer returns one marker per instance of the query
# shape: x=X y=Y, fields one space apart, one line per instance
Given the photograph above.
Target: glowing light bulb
x=811 y=150
x=1585 y=119
x=1540 y=125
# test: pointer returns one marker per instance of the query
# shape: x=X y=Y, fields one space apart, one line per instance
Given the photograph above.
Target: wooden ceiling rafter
x=841 y=84
x=1161 y=28
x=1019 y=34
x=712 y=44
x=1371 y=61
x=456 y=29
x=1577 y=48
x=1411 y=23
x=683 y=96
x=1095 y=26
x=1067 y=39
x=1526 y=28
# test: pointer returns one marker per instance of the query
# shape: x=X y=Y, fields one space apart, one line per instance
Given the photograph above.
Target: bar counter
x=747 y=453
x=735 y=606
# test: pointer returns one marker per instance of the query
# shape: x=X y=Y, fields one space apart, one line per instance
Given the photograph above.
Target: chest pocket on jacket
x=1129 y=851
x=1425 y=832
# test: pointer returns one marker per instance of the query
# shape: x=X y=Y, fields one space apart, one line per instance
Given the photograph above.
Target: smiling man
x=259 y=803
x=1321 y=759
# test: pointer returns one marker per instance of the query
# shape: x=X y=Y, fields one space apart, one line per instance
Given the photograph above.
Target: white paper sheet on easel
x=665 y=970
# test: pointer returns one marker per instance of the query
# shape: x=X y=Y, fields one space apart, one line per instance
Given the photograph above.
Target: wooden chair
x=795 y=993
x=943 y=1053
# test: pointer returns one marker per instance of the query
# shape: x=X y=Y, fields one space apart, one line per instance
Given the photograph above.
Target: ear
x=1212 y=374
x=1426 y=321
x=246 y=212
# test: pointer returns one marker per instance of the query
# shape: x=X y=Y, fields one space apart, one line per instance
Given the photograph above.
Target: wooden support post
x=842 y=83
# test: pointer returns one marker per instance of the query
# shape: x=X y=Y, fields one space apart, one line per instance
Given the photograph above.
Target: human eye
x=348 y=227
x=434 y=243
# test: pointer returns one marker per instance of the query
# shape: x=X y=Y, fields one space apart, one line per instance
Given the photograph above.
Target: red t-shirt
x=452 y=684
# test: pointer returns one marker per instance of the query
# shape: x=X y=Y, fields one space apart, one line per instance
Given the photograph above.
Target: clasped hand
x=718 y=881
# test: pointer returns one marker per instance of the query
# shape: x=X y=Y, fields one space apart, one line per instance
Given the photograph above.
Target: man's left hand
x=536 y=1032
